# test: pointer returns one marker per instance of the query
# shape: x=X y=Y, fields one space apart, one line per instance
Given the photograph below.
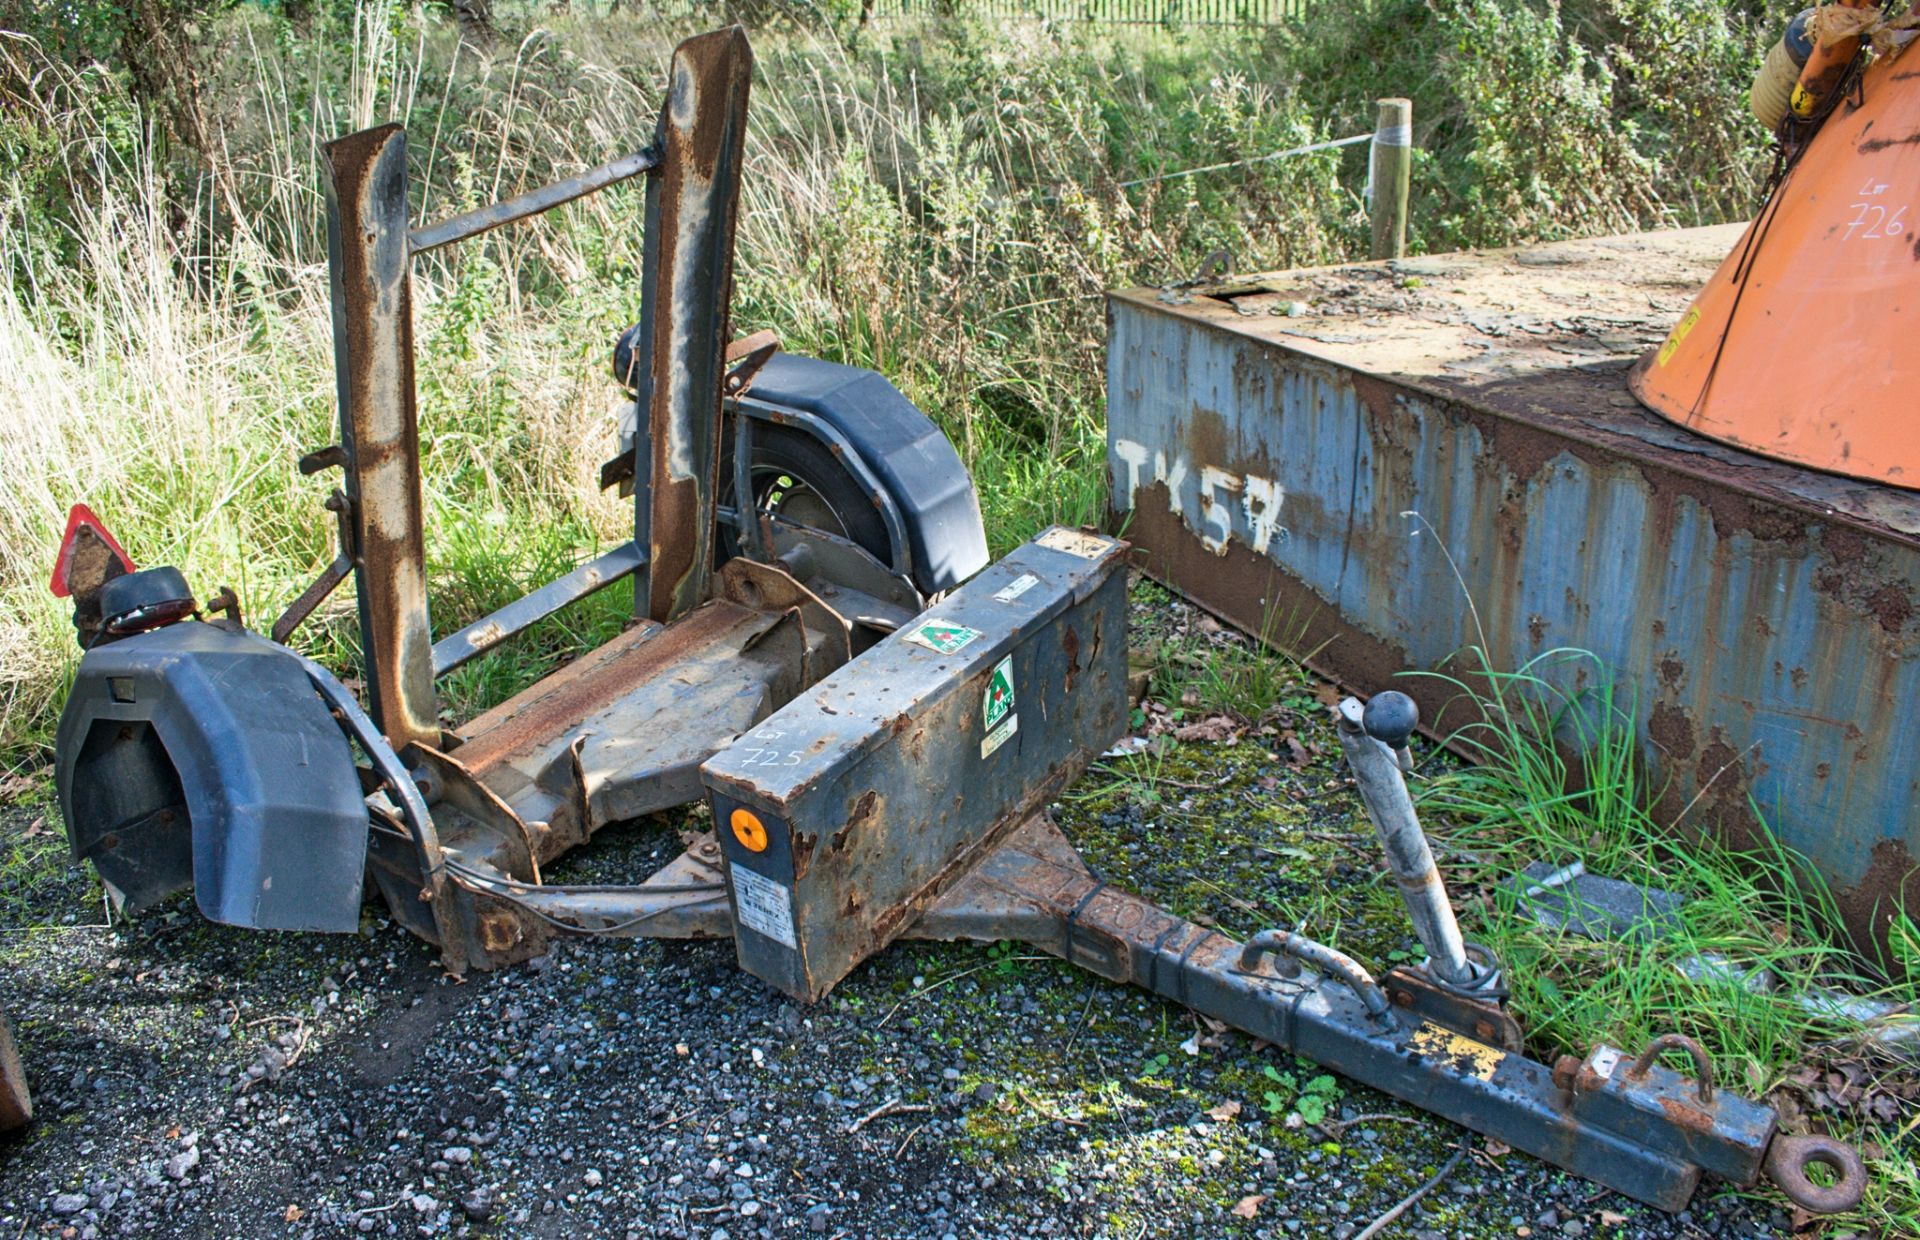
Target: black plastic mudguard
x=906 y=451
x=196 y=754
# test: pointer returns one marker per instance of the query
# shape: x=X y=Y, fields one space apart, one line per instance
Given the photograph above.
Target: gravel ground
x=193 y=1080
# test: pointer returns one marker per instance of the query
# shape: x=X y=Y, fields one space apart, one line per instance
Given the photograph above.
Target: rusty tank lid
x=1803 y=346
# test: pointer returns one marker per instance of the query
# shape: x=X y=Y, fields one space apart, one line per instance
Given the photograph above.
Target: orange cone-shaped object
x=1805 y=345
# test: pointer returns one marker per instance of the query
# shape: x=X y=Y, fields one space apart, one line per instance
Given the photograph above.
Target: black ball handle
x=1390 y=718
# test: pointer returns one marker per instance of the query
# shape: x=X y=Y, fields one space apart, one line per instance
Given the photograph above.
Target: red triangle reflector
x=80 y=516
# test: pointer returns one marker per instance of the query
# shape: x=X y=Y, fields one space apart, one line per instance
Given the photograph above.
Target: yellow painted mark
x=1679 y=333
x=1471 y=1057
x=749 y=830
x=1802 y=102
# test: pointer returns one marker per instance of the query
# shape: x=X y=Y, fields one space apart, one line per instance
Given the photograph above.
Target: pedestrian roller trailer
x=875 y=718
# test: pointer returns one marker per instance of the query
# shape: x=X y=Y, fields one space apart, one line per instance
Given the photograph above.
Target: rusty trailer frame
x=876 y=768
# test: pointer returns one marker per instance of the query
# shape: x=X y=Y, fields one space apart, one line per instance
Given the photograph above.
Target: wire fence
x=1107 y=12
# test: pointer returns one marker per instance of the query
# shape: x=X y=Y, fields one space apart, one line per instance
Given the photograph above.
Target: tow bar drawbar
x=1728 y=1135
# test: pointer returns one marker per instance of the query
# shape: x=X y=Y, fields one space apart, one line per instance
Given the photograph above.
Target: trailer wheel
x=827 y=410
x=797 y=478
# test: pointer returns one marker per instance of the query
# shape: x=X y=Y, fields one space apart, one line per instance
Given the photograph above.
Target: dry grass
x=945 y=203
x=166 y=360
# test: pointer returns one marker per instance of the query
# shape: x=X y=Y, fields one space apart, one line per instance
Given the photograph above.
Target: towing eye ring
x=1788 y=1158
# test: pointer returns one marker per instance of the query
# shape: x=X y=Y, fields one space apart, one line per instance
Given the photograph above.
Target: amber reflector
x=1805 y=345
x=749 y=830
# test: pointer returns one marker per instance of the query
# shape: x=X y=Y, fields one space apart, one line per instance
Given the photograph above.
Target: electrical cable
x=507 y=889
x=515 y=886
x=472 y=881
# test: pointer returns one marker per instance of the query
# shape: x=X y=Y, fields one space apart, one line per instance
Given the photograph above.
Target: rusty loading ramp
x=1269 y=435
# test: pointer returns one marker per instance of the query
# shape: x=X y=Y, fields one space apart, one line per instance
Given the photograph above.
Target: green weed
x=1556 y=775
x=1232 y=676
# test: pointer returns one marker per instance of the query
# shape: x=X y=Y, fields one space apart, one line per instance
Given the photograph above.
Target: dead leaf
x=1248 y=1206
x=1212 y=728
x=37 y=827
x=1498 y=1149
x=1225 y=1111
x=1328 y=694
x=294 y=1214
x=1612 y=1218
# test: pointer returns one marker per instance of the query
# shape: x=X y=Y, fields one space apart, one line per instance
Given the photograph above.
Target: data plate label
x=765 y=906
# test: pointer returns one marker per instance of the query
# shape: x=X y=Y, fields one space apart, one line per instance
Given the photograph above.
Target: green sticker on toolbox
x=943 y=636
x=999 y=696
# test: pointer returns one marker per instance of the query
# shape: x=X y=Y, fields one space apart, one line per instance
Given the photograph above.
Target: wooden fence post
x=1391 y=176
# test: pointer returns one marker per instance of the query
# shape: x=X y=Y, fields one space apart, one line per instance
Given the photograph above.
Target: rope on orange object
x=1889 y=36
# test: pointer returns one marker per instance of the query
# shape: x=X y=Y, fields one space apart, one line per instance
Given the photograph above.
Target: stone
x=181 y=1163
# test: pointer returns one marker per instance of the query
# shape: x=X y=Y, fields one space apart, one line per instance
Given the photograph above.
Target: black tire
x=798 y=478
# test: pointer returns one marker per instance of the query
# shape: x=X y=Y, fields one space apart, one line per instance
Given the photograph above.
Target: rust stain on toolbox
x=1314 y=454
x=849 y=811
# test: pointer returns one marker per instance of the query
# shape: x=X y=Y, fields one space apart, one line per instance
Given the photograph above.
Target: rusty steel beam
x=687 y=284
x=368 y=265
x=1649 y=1135
x=533 y=202
x=489 y=631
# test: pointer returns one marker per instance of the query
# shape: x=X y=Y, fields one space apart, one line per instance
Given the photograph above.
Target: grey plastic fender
x=906 y=451
x=195 y=754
